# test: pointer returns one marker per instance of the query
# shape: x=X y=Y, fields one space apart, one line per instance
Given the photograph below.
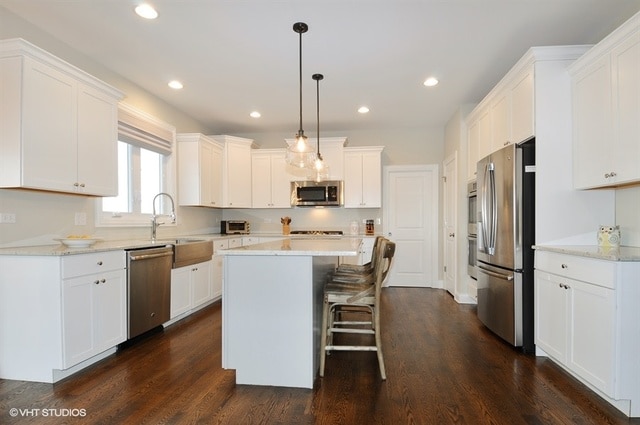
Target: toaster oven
x=234 y=227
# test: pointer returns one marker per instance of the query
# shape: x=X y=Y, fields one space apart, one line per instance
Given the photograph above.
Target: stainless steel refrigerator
x=506 y=233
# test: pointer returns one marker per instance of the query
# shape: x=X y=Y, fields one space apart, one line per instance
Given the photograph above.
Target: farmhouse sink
x=188 y=251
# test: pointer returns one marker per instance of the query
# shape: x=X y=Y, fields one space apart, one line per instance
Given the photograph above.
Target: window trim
x=155 y=135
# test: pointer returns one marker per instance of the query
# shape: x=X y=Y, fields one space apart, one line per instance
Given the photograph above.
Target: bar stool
x=342 y=300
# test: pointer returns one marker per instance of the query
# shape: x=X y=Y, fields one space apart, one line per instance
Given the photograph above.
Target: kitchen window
x=146 y=167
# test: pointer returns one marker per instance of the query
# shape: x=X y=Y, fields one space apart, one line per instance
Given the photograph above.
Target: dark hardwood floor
x=443 y=367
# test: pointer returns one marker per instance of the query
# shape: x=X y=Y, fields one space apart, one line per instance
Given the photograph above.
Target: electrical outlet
x=7 y=218
x=81 y=219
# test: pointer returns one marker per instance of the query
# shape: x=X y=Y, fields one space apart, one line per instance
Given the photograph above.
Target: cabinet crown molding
x=20 y=47
x=631 y=26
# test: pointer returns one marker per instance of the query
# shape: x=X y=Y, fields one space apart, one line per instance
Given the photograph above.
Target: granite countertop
x=300 y=246
x=623 y=253
x=58 y=249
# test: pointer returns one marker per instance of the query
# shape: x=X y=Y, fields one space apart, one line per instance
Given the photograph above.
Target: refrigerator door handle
x=494 y=274
x=489 y=211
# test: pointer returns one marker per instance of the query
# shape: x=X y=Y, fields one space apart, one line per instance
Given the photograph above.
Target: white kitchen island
x=272 y=308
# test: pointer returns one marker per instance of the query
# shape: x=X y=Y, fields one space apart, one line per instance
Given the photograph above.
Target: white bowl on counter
x=78 y=242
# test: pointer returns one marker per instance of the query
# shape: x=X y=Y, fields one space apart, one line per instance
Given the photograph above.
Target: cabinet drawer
x=83 y=264
x=598 y=272
x=219 y=244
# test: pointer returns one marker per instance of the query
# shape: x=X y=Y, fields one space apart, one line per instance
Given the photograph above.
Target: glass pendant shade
x=299 y=153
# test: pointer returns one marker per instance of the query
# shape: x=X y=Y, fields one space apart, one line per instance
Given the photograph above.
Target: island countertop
x=298 y=246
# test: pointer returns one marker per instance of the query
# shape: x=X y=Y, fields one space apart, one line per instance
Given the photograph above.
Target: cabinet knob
x=99 y=263
x=103 y=280
x=451 y=235
x=97 y=282
x=564 y=266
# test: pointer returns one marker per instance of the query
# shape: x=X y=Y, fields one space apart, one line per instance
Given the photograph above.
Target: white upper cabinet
x=363 y=177
x=199 y=170
x=606 y=110
x=522 y=116
x=505 y=116
x=236 y=171
x=270 y=181
x=59 y=124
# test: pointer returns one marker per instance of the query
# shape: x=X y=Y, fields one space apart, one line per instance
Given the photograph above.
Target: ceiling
x=237 y=56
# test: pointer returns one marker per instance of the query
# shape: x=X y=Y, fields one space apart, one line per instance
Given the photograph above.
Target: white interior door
x=411 y=221
x=450 y=212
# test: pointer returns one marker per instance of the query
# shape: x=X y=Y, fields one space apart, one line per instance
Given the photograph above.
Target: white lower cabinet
x=586 y=320
x=94 y=305
x=191 y=287
x=365 y=251
x=218 y=245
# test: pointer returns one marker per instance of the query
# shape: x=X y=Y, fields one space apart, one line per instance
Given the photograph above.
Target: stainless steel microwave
x=234 y=227
x=311 y=193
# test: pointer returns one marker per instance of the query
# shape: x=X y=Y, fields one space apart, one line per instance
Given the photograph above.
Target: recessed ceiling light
x=255 y=114
x=430 y=82
x=175 y=84
x=363 y=109
x=146 y=11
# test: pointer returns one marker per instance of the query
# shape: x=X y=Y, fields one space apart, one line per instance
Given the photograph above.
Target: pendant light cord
x=300 y=131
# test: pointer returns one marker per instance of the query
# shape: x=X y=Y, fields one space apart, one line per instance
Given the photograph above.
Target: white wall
x=628 y=215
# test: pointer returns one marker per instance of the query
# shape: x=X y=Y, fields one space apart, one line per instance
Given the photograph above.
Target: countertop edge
x=623 y=253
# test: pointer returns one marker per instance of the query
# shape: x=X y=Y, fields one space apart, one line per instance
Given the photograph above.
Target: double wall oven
x=472 y=228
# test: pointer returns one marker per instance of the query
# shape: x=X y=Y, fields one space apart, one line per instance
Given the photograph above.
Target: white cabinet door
x=472 y=153
x=260 y=180
x=49 y=138
x=270 y=181
x=551 y=314
x=94 y=315
x=216 y=272
x=522 y=114
x=238 y=176
x=202 y=283
x=199 y=170
x=111 y=309
x=362 y=178
x=592 y=334
x=180 y=291
x=97 y=143
x=484 y=134
x=501 y=121
x=280 y=182
x=625 y=72
x=592 y=124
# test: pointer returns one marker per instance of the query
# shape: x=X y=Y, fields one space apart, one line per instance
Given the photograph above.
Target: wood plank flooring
x=443 y=367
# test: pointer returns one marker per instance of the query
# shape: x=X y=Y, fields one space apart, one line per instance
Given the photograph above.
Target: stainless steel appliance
x=472 y=228
x=235 y=227
x=506 y=232
x=148 y=288
x=310 y=193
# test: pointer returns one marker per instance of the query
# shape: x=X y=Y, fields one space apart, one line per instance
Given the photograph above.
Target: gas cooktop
x=317 y=232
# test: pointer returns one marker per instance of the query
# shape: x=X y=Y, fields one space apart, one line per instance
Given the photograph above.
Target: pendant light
x=319 y=166
x=299 y=153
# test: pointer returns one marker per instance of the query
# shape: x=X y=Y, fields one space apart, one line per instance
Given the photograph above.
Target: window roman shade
x=141 y=129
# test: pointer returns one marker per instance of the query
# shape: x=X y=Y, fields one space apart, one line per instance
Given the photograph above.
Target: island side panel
x=268 y=320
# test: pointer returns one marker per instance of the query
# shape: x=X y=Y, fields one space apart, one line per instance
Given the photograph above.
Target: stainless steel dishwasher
x=148 y=288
